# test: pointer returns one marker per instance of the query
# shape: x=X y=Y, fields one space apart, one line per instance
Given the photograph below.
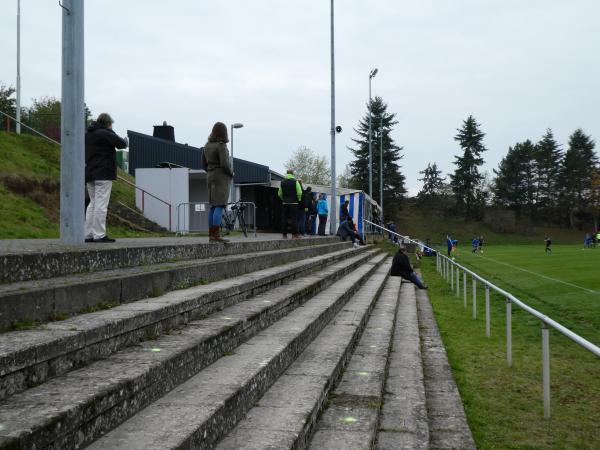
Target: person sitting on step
x=401 y=268
x=346 y=229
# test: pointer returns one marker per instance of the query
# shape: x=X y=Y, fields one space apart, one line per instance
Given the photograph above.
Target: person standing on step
x=100 y=171
x=290 y=193
x=302 y=209
x=401 y=268
x=310 y=210
x=323 y=212
x=219 y=173
x=345 y=214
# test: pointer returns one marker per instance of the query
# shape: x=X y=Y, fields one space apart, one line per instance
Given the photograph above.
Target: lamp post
x=72 y=163
x=381 y=168
x=334 y=212
x=233 y=127
x=18 y=124
x=371 y=76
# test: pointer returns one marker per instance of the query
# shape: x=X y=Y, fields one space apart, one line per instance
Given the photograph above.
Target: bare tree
x=309 y=167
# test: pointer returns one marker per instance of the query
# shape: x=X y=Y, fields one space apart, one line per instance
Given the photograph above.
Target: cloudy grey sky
x=518 y=66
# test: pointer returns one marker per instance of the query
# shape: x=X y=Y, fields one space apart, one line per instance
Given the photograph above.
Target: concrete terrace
x=262 y=343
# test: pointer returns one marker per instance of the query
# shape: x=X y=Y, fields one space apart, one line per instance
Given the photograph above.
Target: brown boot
x=217 y=235
x=211 y=233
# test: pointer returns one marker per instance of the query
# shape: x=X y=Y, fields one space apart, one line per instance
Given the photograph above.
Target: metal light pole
x=72 y=161
x=334 y=213
x=381 y=168
x=18 y=124
x=371 y=75
x=233 y=127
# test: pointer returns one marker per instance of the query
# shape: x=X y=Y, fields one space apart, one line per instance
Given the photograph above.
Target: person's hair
x=289 y=172
x=218 y=133
x=308 y=189
x=401 y=248
x=104 y=120
x=347 y=201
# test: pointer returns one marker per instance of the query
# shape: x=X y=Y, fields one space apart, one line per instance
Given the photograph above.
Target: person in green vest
x=290 y=193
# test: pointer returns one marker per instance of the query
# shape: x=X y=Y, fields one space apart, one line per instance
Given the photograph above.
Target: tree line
x=538 y=180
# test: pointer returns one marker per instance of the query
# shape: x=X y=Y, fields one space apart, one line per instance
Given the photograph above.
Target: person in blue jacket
x=323 y=212
x=475 y=245
x=449 y=244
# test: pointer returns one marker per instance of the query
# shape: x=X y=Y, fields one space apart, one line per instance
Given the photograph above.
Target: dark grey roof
x=148 y=151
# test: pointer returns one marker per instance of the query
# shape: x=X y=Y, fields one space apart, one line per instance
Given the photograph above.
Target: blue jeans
x=301 y=221
x=416 y=280
x=214 y=216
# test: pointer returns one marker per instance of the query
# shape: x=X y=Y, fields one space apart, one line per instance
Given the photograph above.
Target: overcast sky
x=518 y=66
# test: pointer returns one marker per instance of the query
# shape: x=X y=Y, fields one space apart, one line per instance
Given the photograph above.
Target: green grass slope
x=30 y=193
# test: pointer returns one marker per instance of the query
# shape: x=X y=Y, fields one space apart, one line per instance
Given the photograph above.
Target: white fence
x=451 y=271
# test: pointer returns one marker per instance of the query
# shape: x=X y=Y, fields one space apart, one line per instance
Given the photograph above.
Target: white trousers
x=95 y=215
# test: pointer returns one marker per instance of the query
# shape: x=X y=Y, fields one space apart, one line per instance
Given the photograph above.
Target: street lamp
x=381 y=168
x=371 y=76
x=233 y=126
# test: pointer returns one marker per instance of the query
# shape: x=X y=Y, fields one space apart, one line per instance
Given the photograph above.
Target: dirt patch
x=43 y=191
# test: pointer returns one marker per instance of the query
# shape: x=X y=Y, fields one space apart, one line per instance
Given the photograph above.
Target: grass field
x=504 y=405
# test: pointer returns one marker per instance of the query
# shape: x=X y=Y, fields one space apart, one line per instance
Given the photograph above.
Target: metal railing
x=451 y=270
x=120 y=178
x=144 y=193
x=203 y=208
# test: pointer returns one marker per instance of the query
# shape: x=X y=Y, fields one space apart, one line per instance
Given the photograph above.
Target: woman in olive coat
x=218 y=166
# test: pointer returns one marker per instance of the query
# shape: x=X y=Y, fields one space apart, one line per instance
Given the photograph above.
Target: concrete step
x=285 y=415
x=41 y=300
x=351 y=418
x=200 y=411
x=28 y=358
x=448 y=427
x=73 y=409
x=37 y=259
x=403 y=422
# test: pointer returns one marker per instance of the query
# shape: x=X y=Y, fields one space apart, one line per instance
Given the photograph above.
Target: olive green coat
x=216 y=162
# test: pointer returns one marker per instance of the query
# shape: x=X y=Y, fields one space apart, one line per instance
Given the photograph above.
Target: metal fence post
x=487 y=311
x=546 y=368
x=509 y=332
x=451 y=277
x=474 y=298
x=465 y=286
x=457 y=282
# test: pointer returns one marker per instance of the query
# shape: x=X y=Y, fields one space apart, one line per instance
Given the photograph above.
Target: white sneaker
x=355 y=245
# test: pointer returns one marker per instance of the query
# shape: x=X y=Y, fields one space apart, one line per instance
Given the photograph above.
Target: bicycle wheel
x=243 y=224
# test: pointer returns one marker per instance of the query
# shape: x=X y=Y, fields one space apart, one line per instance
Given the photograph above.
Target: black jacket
x=100 y=154
x=307 y=200
x=401 y=266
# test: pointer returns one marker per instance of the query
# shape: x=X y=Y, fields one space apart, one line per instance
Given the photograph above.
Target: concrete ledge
x=43 y=263
x=28 y=358
x=98 y=397
x=42 y=300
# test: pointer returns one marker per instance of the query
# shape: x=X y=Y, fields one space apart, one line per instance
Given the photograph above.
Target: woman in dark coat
x=218 y=166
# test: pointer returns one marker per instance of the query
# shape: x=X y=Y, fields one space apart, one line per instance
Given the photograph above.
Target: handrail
x=32 y=129
x=446 y=267
x=120 y=178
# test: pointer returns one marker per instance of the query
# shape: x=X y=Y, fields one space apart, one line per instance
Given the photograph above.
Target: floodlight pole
x=72 y=162
x=18 y=124
x=381 y=168
x=371 y=75
x=334 y=210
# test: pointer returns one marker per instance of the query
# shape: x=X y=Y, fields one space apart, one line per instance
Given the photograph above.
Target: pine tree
x=515 y=185
x=433 y=184
x=577 y=171
x=548 y=160
x=393 y=180
x=466 y=178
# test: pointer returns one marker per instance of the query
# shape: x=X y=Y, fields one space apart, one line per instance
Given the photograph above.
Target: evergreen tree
x=548 y=160
x=433 y=184
x=393 y=180
x=515 y=185
x=466 y=179
x=577 y=172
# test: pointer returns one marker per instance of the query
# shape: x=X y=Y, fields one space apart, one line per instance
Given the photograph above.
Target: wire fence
x=458 y=276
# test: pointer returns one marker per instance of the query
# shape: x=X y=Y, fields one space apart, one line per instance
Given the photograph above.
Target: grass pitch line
x=539 y=274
